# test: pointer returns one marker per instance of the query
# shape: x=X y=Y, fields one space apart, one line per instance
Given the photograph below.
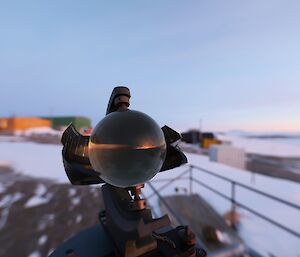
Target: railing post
x=233 y=205
x=191 y=180
x=232 y=217
x=252 y=177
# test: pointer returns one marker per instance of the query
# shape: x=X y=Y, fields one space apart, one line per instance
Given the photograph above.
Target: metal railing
x=232 y=198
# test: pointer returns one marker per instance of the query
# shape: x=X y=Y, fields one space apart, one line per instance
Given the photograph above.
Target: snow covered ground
x=42 y=131
x=43 y=160
x=270 y=147
x=37 y=160
x=286 y=141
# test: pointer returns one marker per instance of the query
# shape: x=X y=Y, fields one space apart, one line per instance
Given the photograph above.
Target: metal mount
x=133 y=232
x=118 y=100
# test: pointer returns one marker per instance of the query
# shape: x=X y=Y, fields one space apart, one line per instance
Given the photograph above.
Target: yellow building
x=15 y=125
x=207 y=142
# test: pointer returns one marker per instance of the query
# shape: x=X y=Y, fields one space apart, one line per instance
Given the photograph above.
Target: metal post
x=191 y=180
x=233 y=205
x=253 y=177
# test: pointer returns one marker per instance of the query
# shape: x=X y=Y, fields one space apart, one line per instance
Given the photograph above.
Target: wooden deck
x=204 y=222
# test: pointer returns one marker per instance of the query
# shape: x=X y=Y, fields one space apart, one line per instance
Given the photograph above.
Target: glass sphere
x=127 y=148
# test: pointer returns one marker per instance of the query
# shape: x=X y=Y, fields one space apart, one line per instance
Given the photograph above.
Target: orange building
x=207 y=142
x=15 y=125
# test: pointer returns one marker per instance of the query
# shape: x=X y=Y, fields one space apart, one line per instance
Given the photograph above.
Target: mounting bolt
x=187 y=235
x=71 y=253
x=201 y=253
x=102 y=214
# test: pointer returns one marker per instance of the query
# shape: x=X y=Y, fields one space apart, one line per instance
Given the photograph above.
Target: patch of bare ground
x=37 y=215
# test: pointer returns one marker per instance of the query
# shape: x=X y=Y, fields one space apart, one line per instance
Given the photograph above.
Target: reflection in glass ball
x=127 y=148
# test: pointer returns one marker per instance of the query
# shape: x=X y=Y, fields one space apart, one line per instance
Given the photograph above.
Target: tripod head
x=125 y=150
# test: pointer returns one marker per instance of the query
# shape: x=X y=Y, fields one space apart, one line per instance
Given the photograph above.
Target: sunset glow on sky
x=225 y=64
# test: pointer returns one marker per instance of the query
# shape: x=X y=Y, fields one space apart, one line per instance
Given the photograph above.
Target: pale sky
x=230 y=64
